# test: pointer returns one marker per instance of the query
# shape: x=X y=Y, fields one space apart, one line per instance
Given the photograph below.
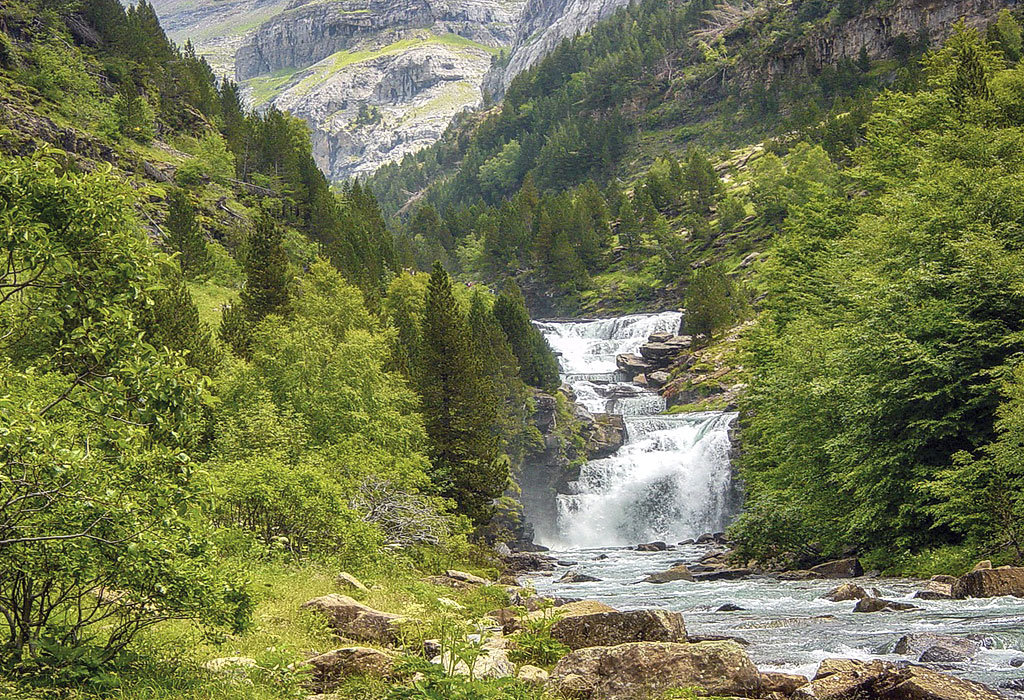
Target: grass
x=167 y=662
x=210 y=297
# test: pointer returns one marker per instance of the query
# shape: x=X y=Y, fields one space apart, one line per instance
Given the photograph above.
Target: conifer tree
x=701 y=181
x=459 y=414
x=266 y=273
x=537 y=364
x=174 y=323
x=184 y=234
x=629 y=227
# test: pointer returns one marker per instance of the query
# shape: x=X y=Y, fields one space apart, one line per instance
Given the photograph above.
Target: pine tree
x=629 y=227
x=235 y=330
x=460 y=416
x=266 y=273
x=174 y=323
x=537 y=364
x=184 y=235
x=701 y=181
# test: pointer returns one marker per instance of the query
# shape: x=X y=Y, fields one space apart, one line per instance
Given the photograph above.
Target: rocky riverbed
x=790 y=627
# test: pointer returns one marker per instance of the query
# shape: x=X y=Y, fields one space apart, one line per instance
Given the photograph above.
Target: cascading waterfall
x=672 y=479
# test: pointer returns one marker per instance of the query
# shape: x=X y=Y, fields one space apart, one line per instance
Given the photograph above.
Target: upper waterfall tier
x=672 y=479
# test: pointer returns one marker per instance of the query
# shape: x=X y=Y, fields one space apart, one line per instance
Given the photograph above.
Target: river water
x=671 y=481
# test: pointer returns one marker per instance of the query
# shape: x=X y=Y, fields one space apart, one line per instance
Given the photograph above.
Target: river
x=672 y=481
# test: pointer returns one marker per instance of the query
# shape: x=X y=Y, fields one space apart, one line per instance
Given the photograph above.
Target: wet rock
x=679 y=572
x=615 y=627
x=842 y=679
x=659 y=337
x=659 y=354
x=526 y=562
x=687 y=543
x=652 y=547
x=796 y=575
x=729 y=607
x=605 y=435
x=1017 y=661
x=846 y=591
x=706 y=538
x=697 y=638
x=723 y=575
x=841 y=568
x=643 y=669
x=633 y=364
x=565 y=562
x=602 y=557
x=987 y=583
x=350 y=618
x=870 y=605
x=939 y=648
x=331 y=668
x=577 y=577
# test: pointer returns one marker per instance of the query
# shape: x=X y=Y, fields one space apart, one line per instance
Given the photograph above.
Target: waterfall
x=672 y=478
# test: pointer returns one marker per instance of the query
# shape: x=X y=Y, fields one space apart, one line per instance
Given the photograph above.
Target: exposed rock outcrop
x=839 y=679
x=353 y=620
x=645 y=669
x=614 y=628
x=988 y=583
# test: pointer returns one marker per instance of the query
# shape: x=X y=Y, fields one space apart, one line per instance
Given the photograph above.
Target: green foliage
x=211 y=160
x=712 y=303
x=533 y=644
x=97 y=424
x=892 y=318
x=460 y=415
x=184 y=234
x=135 y=117
x=537 y=364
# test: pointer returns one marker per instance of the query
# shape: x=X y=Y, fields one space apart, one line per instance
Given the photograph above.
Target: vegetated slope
x=657 y=79
x=160 y=455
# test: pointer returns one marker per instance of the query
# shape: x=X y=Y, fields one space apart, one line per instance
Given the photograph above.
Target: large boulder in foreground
x=331 y=668
x=645 y=669
x=606 y=629
x=988 y=583
x=351 y=619
x=843 y=679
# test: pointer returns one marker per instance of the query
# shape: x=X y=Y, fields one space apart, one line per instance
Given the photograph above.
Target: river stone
x=842 y=679
x=723 y=575
x=846 y=591
x=729 y=607
x=841 y=568
x=870 y=605
x=659 y=379
x=784 y=684
x=941 y=648
x=633 y=364
x=612 y=628
x=987 y=583
x=350 y=618
x=577 y=577
x=652 y=547
x=527 y=562
x=679 y=572
x=645 y=669
x=331 y=668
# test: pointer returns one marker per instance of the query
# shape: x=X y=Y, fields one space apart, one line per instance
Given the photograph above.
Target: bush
x=211 y=159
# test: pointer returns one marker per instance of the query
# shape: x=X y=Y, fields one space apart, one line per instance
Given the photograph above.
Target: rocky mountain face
x=543 y=26
x=879 y=30
x=374 y=79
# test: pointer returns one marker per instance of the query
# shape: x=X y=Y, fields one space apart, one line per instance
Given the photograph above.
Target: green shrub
x=211 y=159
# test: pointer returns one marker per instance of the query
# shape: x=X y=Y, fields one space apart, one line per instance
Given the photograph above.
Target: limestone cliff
x=543 y=26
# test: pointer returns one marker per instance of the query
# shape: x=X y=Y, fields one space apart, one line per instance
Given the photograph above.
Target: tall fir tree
x=266 y=272
x=460 y=415
x=537 y=364
x=184 y=234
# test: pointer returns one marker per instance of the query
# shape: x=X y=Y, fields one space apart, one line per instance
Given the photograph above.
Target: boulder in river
x=577 y=577
x=658 y=379
x=652 y=547
x=987 y=583
x=841 y=568
x=870 y=605
x=937 y=588
x=679 y=572
x=729 y=607
x=331 y=668
x=846 y=591
x=781 y=684
x=524 y=562
x=633 y=364
x=842 y=679
x=646 y=669
x=723 y=575
x=607 y=629
x=350 y=618
x=940 y=648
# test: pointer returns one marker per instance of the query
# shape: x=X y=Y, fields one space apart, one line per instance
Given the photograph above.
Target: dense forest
x=225 y=380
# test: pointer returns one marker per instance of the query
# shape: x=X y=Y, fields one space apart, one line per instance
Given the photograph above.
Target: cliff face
x=543 y=26
x=878 y=31
x=374 y=79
